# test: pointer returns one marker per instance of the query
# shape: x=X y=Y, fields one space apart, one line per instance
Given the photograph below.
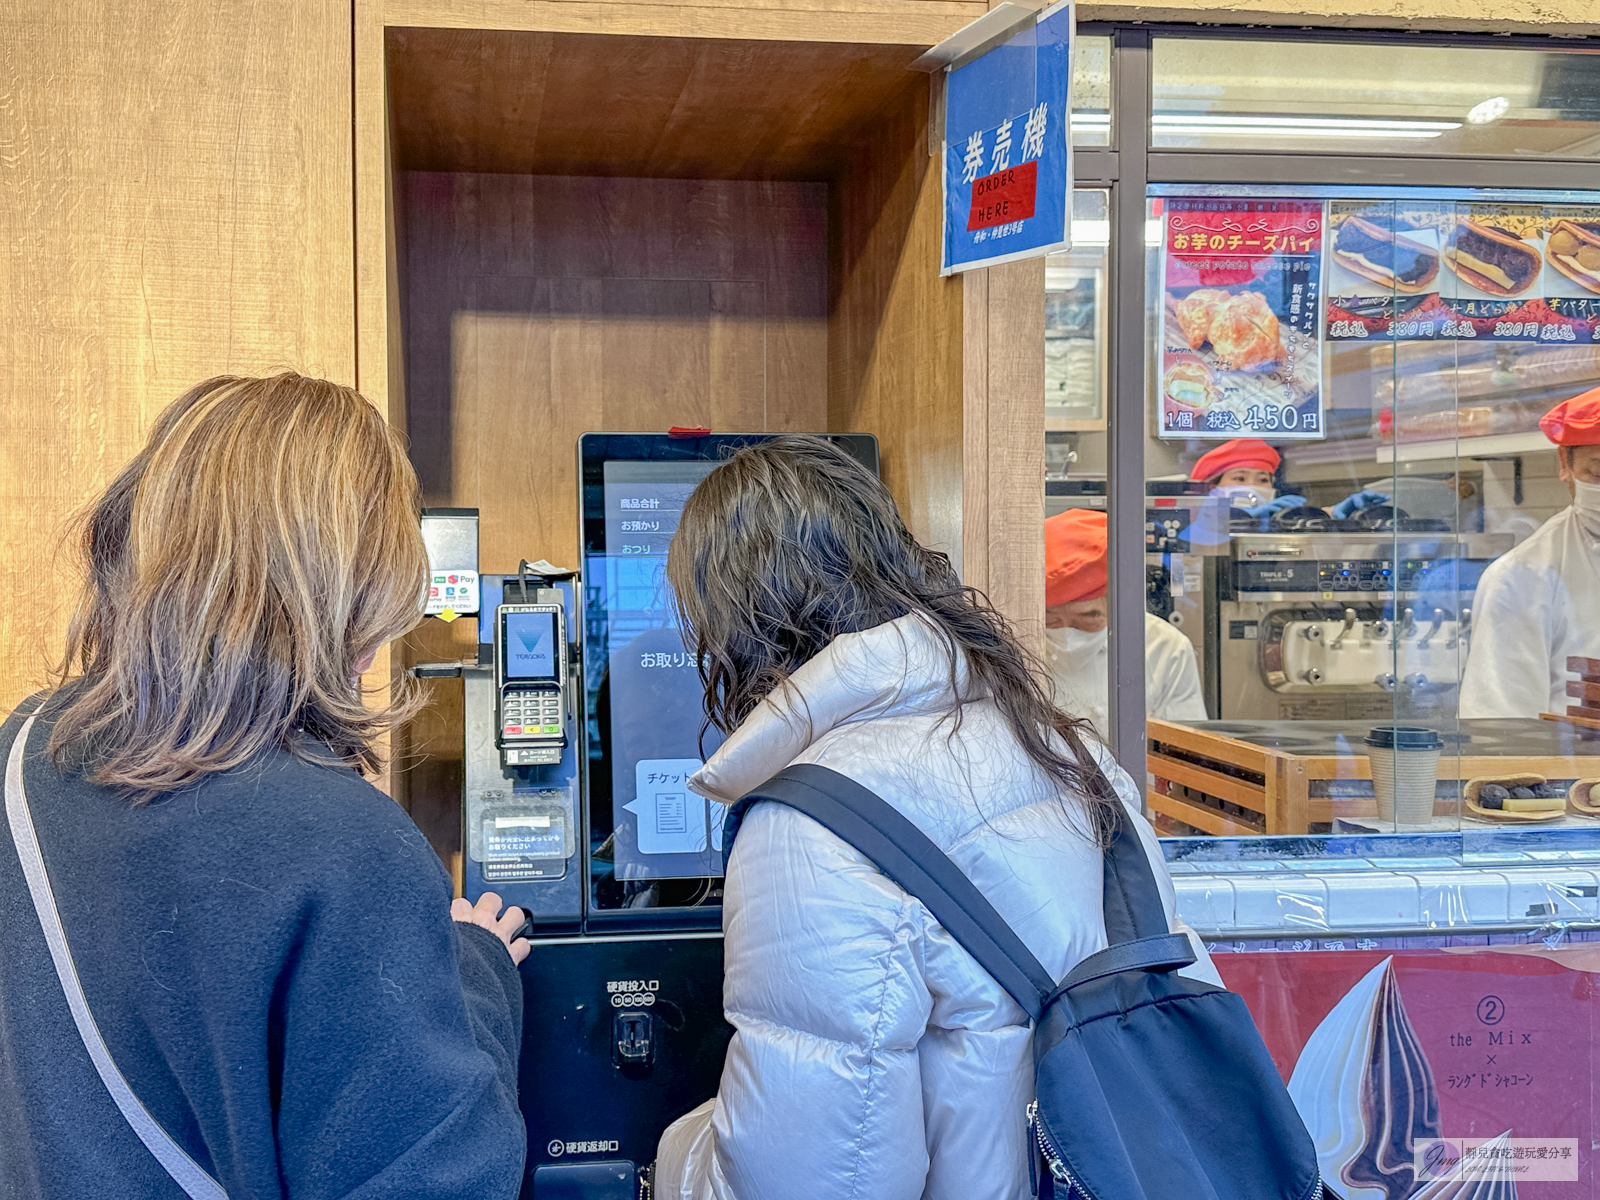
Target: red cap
x=1074 y=556
x=1574 y=422
x=1241 y=452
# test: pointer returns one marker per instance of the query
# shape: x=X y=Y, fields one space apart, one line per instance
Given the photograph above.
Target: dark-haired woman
x=873 y=1058
x=231 y=951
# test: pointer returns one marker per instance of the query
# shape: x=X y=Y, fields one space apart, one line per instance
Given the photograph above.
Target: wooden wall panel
x=526 y=103
x=929 y=21
x=949 y=373
x=894 y=329
x=541 y=307
x=974 y=529
x=175 y=203
x=1003 y=467
x=909 y=22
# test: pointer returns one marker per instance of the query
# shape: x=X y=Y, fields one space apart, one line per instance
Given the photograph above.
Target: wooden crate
x=1585 y=690
x=1245 y=789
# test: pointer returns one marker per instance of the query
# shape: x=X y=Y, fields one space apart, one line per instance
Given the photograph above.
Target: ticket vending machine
x=583 y=721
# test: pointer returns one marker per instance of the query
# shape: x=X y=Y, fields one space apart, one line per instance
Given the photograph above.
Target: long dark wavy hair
x=791 y=543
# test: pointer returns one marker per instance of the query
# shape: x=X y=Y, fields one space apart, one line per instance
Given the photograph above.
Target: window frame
x=1127 y=166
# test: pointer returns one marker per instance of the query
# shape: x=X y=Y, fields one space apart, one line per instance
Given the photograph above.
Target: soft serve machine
x=583 y=719
x=1349 y=620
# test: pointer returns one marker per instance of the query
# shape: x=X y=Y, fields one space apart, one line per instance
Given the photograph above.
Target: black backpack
x=1149 y=1086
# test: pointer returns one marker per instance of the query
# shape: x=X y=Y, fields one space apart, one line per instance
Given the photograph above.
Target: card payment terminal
x=530 y=642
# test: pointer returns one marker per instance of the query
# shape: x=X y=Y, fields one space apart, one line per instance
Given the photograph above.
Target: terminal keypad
x=530 y=712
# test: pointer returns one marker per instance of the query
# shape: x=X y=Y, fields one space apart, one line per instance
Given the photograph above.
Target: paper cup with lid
x=1405 y=770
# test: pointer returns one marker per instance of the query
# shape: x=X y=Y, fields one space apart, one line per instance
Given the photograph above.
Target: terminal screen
x=529 y=645
x=647 y=731
x=655 y=710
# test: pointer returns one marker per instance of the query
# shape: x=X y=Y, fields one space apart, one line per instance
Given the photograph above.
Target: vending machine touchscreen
x=657 y=844
x=530 y=643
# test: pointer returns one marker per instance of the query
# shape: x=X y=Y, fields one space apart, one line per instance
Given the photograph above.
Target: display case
x=1368 y=259
x=1391 y=360
x=1075 y=369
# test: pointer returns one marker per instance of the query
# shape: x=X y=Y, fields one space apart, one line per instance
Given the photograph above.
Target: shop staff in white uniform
x=1541 y=602
x=1076 y=642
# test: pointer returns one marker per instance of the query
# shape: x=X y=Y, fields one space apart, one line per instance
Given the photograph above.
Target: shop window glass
x=1075 y=320
x=1091 y=91
x=1396 y=628
x=1396 y=354
x=1373 y=98
x=1076 y=373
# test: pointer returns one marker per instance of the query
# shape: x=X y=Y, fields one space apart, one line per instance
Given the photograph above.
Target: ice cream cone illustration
x=1366 y=1092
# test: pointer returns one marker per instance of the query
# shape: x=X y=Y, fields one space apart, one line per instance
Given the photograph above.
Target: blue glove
x=1365 y=498
x=1276 y=504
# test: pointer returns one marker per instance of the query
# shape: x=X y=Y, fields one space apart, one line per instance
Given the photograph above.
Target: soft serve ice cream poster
x=1390 y=1054
x=1241 y=290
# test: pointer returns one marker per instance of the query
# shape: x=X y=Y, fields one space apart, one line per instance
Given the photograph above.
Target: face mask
x=1586 y=503
x=1075 y=643
x=1249 y=494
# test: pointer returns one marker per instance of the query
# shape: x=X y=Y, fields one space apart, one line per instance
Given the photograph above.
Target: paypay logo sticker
x=452 y=591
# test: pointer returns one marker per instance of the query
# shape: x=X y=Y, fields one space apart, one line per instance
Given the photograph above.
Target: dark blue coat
x=271 y=961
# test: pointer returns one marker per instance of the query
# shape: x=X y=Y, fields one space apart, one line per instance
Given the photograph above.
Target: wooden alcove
x=595 y=231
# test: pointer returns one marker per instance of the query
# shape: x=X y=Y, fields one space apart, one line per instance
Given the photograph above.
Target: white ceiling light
x=1488 y=111
x=1291 y=132
x=1345 y=127
x=1247 y=126
x=1088 y=234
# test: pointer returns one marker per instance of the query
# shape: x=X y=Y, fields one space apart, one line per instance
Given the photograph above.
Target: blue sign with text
x=1007 y=153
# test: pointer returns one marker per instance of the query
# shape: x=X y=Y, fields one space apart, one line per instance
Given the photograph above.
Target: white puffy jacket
x=872 y=1057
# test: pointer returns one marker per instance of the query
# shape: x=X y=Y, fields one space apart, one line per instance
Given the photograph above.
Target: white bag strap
x=187 y=1173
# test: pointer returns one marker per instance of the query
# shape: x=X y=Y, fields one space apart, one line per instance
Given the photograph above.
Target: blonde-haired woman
x=261 y=940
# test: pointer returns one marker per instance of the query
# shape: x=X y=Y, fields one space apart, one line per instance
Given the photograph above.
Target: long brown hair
x=262 y=545
x=791 y=543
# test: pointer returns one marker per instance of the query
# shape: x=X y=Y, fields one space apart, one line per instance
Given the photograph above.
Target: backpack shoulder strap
x=1133 y=908
x=906 y=855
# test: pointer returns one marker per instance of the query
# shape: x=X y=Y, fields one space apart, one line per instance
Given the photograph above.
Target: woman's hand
x=486 y=912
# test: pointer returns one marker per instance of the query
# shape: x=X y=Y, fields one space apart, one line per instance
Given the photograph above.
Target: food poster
x=1241 y=350
x=1394 y=1057
x=1494 y=267
x=1571 y=274
x=1433 y=270
x=1384 y=270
